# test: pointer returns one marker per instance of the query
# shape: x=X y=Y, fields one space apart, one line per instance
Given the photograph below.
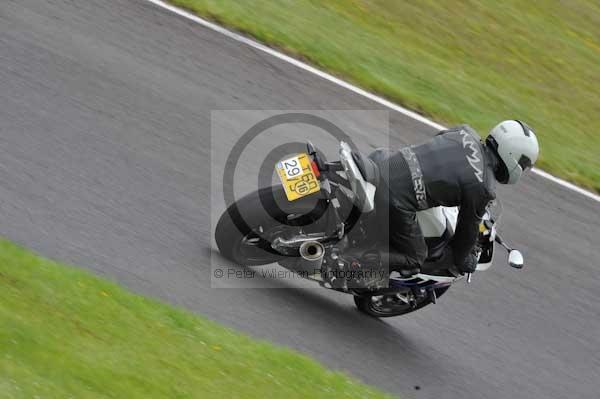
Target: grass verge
x=65 y=333
x=476 y=61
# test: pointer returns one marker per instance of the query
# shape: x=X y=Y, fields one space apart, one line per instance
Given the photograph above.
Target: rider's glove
x=469 y=264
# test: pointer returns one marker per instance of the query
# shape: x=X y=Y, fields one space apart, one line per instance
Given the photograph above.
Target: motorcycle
x=324 y=210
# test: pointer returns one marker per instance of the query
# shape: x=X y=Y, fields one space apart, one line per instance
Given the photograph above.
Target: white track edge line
x=252 y=43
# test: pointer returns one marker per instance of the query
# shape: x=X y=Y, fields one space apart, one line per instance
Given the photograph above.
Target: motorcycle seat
x=362 y=179
x=368 y=169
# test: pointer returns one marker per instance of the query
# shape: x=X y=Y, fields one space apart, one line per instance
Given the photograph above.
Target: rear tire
x=245 y=230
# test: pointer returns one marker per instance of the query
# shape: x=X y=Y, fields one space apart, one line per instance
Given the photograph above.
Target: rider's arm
x=472 y=208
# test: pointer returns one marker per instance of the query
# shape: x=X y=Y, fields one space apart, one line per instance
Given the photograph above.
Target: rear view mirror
x=515 y=259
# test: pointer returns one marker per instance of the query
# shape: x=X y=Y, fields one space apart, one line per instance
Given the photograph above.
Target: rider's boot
x=400 y=263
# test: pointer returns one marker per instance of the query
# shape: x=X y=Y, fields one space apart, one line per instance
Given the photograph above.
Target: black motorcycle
x=323 y=213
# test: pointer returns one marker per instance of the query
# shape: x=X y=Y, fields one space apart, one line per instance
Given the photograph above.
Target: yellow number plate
x=297 y=177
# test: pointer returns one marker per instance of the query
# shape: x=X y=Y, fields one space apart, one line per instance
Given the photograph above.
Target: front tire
x=389 y=305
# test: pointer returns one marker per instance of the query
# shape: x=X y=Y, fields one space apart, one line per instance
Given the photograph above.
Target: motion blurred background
x=475 y=61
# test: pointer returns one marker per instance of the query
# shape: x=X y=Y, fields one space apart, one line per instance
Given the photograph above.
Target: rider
x=455 y=168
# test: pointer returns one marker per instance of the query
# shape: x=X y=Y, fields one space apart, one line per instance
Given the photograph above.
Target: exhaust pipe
x=311 y=254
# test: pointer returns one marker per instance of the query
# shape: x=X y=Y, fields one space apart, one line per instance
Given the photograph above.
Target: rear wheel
x=390 y=305
x=247 y=228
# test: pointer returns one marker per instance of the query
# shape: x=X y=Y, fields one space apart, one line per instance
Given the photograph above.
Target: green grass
x=470 y=61
x=67 y=334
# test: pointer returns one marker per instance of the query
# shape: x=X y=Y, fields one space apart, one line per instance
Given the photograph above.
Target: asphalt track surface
x=105 y=163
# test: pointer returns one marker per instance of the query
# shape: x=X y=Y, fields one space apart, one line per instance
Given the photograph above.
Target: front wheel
x=390 y=305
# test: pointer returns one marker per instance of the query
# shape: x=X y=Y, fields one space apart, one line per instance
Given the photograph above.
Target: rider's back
x=454 y=166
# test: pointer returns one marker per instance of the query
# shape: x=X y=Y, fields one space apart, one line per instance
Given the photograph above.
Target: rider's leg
x=407 y=248
x=403 y=245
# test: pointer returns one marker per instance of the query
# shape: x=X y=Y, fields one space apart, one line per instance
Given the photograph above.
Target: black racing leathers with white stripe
x=457 y=170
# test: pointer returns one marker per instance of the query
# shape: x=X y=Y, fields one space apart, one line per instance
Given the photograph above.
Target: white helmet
x=517 y=149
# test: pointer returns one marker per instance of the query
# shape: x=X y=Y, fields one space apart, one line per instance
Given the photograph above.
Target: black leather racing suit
x=452 y=169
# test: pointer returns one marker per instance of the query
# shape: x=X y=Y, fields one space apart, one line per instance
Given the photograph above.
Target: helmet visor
x=525 y=163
